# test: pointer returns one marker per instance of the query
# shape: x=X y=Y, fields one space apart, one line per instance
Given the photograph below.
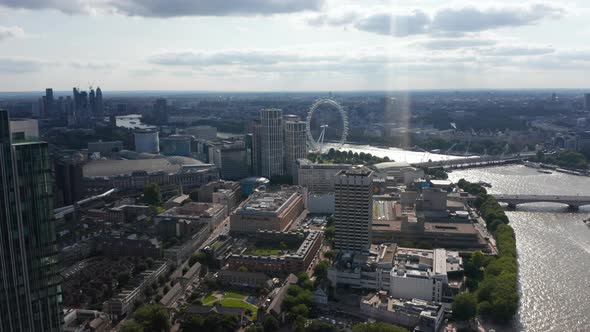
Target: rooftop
x=266 y=201
x=109 y=168
x=193 y=210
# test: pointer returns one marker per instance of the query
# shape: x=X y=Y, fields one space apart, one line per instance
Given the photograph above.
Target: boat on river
x=544 y=171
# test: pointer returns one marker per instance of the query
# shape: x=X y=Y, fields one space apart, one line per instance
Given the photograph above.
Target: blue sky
x=262 y=45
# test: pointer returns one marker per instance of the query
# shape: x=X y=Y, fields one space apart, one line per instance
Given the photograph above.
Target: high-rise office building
x=30 y=291
x=354 y=210
x=160 y=109
x=49 y=103
x=256 y=157
x=99 y=106
x=295 y=143
x=271 y=142
x=587 y=102
x=92 y=102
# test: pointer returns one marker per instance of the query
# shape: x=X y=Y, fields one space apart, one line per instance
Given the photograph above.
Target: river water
x=553 y=244
x=553 y=247
x=396 y=154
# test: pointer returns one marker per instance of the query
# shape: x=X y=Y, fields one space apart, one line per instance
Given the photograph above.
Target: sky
x=293 y=45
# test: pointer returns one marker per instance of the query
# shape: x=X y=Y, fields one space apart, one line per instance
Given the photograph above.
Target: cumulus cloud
x=19 y=65
x=472 y=19
x=10 y=32
x=445 y=22
x=170 y=8
x=398 y=25
x=454 y=43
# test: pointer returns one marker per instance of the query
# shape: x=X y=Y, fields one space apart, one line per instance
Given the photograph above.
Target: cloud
x=472 y=19
x=517 y=50
x=10 y=32
x=445 y=22
x=396 y=25
x=67 y=7
x=19 y=65
x=170 y=8
x=93 y=65
x=454 y=43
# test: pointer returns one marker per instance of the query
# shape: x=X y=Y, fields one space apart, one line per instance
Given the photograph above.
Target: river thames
x=553 y=244
x=553 y=247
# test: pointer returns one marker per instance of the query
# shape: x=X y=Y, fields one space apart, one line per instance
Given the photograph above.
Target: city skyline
x=313 y=45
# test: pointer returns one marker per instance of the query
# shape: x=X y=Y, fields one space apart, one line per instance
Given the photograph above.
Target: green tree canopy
x=465 y=306
x=152 y=195
x=153 y=318
x=130 y=326
x=377 y=327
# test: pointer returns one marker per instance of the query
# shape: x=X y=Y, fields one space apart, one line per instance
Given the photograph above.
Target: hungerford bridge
x=478 y=161
x=573 y=202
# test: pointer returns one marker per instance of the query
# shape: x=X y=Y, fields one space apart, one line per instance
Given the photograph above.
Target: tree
x=377 y=327
x=194 y=195
x=130 y=326
x=242 y=269
x=153 y=318
x=330 y=254
x=321 y=269
x=317 y=326
x=152 y=195
x=271 y=324
x=123 y=278
x=464 y=306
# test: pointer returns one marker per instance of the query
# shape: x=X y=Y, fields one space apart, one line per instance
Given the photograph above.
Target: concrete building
x=256 y=151
x=177 y=145
x=587 y=102
x=29 y=282
x=202 y=213
x=80 y=320
x=402 y=272
x=415 y=313
x=422 y=274
x=295 y=143
x=24 y=129
x=102 y=175
x=354 y=210
x=105 y=147
x=428 y=218
x=123 y=303
x=271 y=142
x=267 y=211
x=230 y=156
x=226 y=193
x=147 y=141
x=403 y=173
x=293 y=261
x=318 y=178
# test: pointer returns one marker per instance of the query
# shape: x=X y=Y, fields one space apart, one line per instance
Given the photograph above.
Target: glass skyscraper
x=30 y=291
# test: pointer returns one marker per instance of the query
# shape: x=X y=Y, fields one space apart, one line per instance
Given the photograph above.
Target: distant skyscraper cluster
x=587 y=102
x=80 y=106
x=277 y=142
x=29 y=282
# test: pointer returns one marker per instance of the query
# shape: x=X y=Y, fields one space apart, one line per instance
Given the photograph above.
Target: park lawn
x=232 y=295
x=209 y=299
x=234 y=303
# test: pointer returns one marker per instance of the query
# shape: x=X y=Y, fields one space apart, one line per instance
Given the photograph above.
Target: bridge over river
x=573 y=202
x=476 y=161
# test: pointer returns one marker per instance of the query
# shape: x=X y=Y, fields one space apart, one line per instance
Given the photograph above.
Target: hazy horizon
x=293 y=45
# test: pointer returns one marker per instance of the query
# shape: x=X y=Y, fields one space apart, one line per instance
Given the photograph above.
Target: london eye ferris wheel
x=326 y=121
